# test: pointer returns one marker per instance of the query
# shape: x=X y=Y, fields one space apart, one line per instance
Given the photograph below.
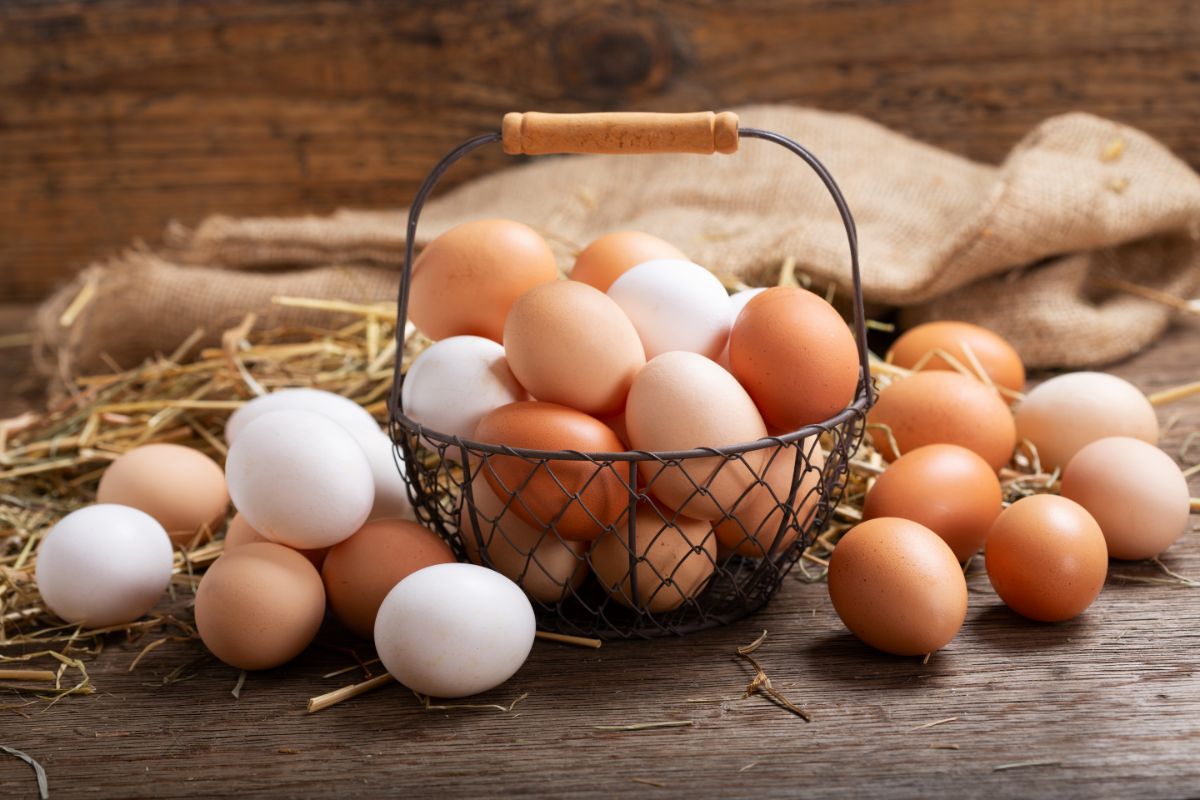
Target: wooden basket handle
x=534 y=133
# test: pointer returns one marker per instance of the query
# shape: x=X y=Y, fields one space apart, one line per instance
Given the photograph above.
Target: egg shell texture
x=610 y=256
x=897 y=586
x=947 y=488
x=453 y=383
x=999 y=359
x=342 y=410
x=578 y=498
x=675 y=305
x=943 y=408
x=259 y=606
x=681 y=401
x=239 y=533
x=754 y=523
x=180 y=487
x=1135 y=492
x=1046 y=558
x=796 y=357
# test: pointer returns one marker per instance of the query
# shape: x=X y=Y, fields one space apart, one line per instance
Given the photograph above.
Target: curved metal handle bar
x=862 y=400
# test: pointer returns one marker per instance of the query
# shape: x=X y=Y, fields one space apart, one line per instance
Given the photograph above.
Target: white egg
x=675 y=305
x=452 y=384
x=300 y=479
x=453 y=630
x=387 y=467
x=342 y=410
x=104 y=565
x=737 y=301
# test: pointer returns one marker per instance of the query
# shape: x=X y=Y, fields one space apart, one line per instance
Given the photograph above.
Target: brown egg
x=544 y=565
x=757 y=515
x=946 y=488
x=569 y=343
x=678 y=559
x=1046 y=558
x=571 y=496
x=897 y=586
x=466 y=280
x=997 y=357
x=1135 y=492
x=259 y=605
x=943 y=408
x=360 y=571
x=239 y=533
x=612 y=255
x=681 y=401
x=796 y=357
x=180 y=487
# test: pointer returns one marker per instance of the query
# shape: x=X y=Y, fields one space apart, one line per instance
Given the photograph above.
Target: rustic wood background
x=117 y=116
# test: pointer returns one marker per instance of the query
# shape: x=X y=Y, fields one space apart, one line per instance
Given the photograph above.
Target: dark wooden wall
x=119 y=115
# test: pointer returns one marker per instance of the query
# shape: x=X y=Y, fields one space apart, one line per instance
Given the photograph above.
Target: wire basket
x=650 y=571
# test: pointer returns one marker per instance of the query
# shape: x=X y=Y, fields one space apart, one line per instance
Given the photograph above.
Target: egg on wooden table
x=104 y=565
x=453 y=630
x=613 y=254
x=466 y=280
x=675 y=305
x=180 y=487
x=968 y=344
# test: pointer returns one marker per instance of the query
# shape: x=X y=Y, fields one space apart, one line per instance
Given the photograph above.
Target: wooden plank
x=117 y=116
x=1107 y=705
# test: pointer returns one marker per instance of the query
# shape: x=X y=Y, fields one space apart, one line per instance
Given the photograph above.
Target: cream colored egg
x=675 y=305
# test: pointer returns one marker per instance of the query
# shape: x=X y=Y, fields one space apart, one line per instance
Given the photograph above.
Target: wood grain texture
x=117 y=116
x=1104 y=706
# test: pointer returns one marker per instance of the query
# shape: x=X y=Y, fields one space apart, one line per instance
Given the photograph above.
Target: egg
x=897 y=586
x=796 y=357
x=943 y=408
x=300 y=479
x=360 y=571
x=681 y=401
x=453 y=630
x=610 y=256
x=1046 y=558
x=342 y=410
x=675 y=305
x=454 y=382
x=1000 y=362
x=577 y=498
x=677 y=558
x=258 y=606
x=1135 y=492
x=180 y=487
x=546 y=567
x=737 y=301
x=1070 y=411
x=570 y=343
x=239 y=533
x=466 y=280
x=104 y=565
x=753 y=524
x=387 y=474
x=947 y=488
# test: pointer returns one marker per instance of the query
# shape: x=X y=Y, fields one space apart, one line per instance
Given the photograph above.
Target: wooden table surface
x=1107 y=705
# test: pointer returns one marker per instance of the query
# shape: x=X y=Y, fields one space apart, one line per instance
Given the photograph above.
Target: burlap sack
x=1016 y=248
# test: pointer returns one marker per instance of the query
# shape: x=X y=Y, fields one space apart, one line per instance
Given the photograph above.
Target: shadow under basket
x=633 y=544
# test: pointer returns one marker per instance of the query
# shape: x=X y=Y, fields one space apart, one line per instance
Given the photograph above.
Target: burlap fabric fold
x=1018 y=248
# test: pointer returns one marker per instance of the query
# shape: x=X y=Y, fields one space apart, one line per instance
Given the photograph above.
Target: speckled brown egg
x=678 y=557
x=947 y=488
x=614 y=254
x=998 y=358
x=897 y=586
x=546 y=567
x=755 y=519
x=259 y=605
x=570 y=343
x=466 y=280
x=796 y=357
x=943 y=408
x=180 y=487
x=239 y=533
x=360 y=571
x=1046 y=558
x=571 y=496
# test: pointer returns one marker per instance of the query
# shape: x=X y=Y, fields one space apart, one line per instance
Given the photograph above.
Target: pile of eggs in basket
x=640 y=349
